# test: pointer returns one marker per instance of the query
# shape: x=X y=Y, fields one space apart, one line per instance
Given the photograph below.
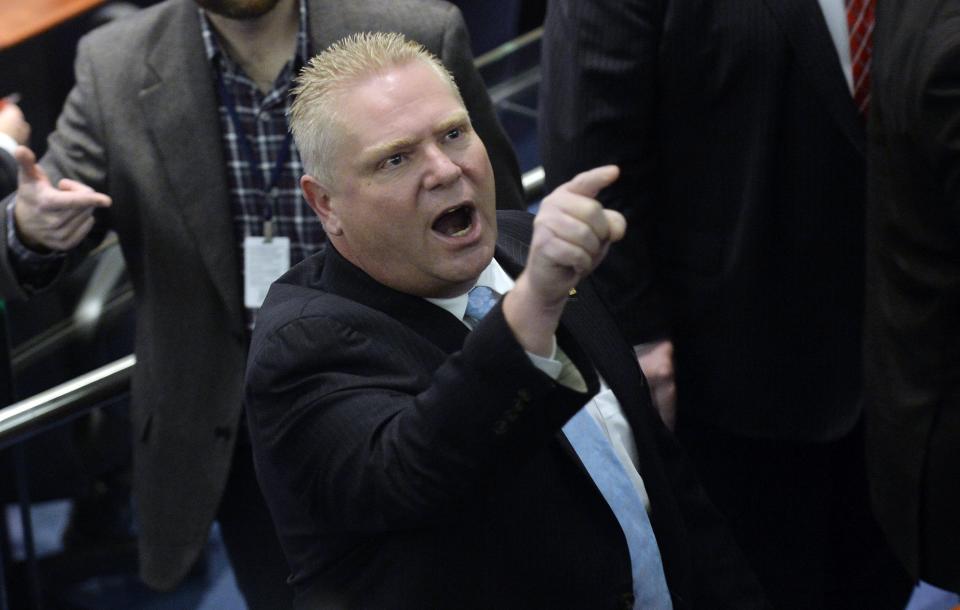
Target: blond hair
x=314 y=121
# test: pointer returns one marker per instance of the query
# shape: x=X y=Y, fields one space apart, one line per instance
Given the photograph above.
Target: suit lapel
x=188 y=139
x=805 y=28
x=612 y=357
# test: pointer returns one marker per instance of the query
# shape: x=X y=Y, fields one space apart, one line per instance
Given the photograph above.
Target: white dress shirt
x=835 y=13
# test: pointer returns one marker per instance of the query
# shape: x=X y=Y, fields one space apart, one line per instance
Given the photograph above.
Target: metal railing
x=52 y=407
x=508 y=48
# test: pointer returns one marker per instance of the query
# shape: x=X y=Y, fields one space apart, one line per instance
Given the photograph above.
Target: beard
x=238 y=9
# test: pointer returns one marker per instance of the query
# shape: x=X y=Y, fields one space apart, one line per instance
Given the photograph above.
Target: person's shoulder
x=425 y=21
x=299 y=301
x=291 y=294
x=131 y=32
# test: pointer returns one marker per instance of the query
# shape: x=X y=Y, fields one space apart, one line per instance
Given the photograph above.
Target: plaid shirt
x=264 y=122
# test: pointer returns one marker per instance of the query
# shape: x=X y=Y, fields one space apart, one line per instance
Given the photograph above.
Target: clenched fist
x=571 y=236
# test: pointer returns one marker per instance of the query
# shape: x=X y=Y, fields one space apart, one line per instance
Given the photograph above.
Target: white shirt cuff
x=549 y=366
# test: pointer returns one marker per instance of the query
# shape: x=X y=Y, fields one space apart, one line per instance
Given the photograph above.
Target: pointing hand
x=52 y=217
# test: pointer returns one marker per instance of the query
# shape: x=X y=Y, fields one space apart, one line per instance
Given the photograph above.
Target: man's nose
x=442 y=171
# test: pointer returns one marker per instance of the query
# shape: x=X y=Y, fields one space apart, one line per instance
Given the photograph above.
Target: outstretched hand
x=52 y=217
x=571 y=236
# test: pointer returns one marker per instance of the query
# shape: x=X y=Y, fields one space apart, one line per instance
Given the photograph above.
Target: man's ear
x=318 y=197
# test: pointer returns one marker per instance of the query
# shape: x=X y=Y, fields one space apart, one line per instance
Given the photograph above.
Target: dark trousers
x=251 y=540
x=801 y=514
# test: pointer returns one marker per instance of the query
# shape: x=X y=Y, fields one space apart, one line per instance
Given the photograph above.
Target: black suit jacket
x=8 y=173
x=913 y=290
x=742 y=159
x=411 y=464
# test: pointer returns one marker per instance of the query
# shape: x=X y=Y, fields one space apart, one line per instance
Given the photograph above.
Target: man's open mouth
x=455 y=222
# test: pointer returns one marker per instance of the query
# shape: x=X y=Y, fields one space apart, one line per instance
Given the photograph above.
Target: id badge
x=263 y=262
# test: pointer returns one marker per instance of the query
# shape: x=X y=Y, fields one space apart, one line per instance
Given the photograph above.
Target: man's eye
x=393 y=160
x=454 y=133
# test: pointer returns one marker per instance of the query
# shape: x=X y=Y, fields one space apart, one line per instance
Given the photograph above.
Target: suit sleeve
x=940 y=111
x=456 y=55
x=597 y=106
x=372 y=445
x=75 y=151
x=8 y=174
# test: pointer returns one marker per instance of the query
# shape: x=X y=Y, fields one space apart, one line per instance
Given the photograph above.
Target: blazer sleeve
x=374 y=440
x=75 y=151
x=597 y=106
x=456 y=55
x=8 y=174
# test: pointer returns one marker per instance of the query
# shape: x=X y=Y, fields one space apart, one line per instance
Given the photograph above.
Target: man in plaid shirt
x=175 y=137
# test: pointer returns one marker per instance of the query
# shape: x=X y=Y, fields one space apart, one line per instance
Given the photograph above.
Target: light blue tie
x=595 y=451
x=480 y=301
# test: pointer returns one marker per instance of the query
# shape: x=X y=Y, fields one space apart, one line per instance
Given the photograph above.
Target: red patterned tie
x=860 y=25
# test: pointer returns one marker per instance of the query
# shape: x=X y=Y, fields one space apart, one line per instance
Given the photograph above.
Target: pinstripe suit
x=8 y=173
x=409 y=464
x=743 y=184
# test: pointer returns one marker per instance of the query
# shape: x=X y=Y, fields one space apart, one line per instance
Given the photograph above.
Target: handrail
x=533 y=181
x=511 y=46
x=99 y=304
x=30 y=416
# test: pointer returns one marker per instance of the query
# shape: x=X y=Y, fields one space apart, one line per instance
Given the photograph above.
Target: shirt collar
x=221 y=61
x=493 y=276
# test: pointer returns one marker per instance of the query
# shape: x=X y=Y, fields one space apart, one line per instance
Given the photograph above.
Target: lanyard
x=246 y=150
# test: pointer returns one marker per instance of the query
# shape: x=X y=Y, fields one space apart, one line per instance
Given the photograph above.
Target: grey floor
x=212 y=587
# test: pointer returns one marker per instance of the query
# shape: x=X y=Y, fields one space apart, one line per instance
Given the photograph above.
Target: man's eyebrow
x=455 y=120
x=387 y=148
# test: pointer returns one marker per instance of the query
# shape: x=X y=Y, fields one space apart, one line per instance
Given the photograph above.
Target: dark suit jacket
x=8 y=173
x=743 y=186
x=411 y=464
x=913 y=291
x=141 y=124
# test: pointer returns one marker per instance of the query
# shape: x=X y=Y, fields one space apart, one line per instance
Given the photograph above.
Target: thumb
x=29 y=171
x=592 y=181
x=616 y=224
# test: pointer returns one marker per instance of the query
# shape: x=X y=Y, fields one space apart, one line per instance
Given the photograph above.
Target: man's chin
x=464 y=278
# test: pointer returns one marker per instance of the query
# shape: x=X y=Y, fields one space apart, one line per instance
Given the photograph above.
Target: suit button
x=222 y=432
